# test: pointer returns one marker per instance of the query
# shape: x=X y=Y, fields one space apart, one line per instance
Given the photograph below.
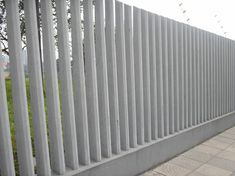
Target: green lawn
x=11 y=116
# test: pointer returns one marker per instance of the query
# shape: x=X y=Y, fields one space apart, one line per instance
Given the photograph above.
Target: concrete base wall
x=136 y=161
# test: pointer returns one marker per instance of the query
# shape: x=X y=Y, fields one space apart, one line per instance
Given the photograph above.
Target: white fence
x=139 y=79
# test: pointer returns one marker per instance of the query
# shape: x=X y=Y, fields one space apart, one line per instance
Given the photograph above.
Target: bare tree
x=3 y=23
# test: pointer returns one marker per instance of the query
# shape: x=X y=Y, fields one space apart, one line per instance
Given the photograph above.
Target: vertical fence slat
x=121 y=72
x=153 y=77
x=228 y=63
x=198 y=72
x=190 y=45
x=204 y=76
x=210 y=65
x=207 y=67
x=159 y=67
x=176 y=74
x=186 y=75
x=230 y=74
x=91 y=82
x=208 y=70
x=146 y=75
x=138 y=75
x=210 y=75
x=23 y=140
x=36 y=90
x=130 y=75
x=233 y=72
x=53 y=104
x=229 y=88
x=80 y=102
x=171 y=64
x=6 y=162
x=221 y=77
x=66 y=87
x=170 y=75
x=102 y=79
x=201 y=77
x=181 y=76
x=112 y=76
x=196 y=83
x=229 y=81
x=217 y=77
x=165 y=76
x=194 y=77
x=214 y=76
x=227 y=74
x=224 y=77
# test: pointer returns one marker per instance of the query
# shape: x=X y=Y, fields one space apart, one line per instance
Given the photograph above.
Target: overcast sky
x=216 y=16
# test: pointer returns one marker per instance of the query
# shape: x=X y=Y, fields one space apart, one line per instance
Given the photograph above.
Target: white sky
x=209 y=15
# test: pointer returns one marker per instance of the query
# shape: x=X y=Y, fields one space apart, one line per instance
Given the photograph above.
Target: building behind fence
x=142 y=88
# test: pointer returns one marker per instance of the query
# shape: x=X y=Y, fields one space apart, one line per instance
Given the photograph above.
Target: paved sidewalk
x=215 y=157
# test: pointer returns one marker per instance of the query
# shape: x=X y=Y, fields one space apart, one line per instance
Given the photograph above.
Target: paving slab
x=223 y=163
x=228 y=135
x=152 y=173
x=223 y=139
x=195 y=174
x=216 y=144
x=231 y=148
x=207 y=149
x=210 y=170
x=186 y=163
x=227 y=155
x=171 y=170
x=197 y=156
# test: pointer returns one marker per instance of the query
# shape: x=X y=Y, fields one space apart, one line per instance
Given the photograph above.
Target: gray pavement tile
x=186 y=163
x=152 y=173
x=171 y=170
x=197 y=156
x=195 y=174
x=228 y=135
x=207 y=149
x=231 y=131
x=223 y=139
x=231 y=148
x=216 y=144
x=227 y=155
x=210 y=170
x=223 y=163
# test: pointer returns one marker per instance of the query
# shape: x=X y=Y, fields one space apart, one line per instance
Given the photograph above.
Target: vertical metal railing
x=136 y=77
